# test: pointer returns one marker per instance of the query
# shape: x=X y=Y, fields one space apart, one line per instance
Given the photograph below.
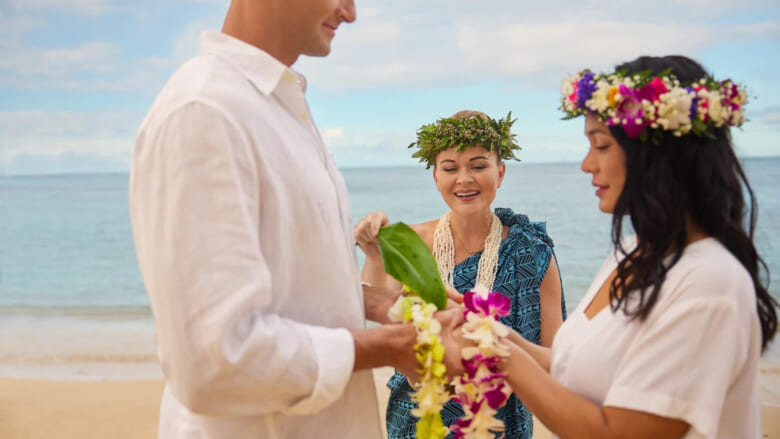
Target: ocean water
x=71 y=293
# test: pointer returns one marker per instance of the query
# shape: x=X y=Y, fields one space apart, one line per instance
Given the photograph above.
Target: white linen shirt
x=694 y=358
x=243 y=236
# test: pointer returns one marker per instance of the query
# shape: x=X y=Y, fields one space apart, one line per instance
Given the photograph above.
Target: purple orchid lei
x=482 y=389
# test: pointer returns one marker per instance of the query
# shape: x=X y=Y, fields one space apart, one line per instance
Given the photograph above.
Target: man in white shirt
x=243 y=236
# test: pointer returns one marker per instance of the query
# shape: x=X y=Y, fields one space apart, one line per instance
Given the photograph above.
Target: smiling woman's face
x=468 y=180
x=606 y=162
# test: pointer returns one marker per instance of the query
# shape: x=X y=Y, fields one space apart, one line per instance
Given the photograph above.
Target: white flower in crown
x=738 y=117
x=599 y=101
x=674 y=110
x=717 y=112
x=569 y=90
x=743 y=100
x=648 y=109
x=567 y=85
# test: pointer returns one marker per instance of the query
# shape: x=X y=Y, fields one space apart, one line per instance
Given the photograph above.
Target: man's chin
x=322 y=50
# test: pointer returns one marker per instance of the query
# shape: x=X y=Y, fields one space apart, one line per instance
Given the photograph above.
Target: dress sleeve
x=194 y=197
x=535 y=233
x=682 y=362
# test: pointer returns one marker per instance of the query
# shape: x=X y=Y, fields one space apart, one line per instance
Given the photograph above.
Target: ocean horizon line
x=347 y=167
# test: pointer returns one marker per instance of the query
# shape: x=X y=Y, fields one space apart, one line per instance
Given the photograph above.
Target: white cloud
x=769 y=116
x=395 y=44
x=414 y=45
x=405 y=43
x=86 y=7
x=333 y=137
x=11 y=27
x=52 y=142
x=368 y=147
x=98 y=57
x=66 y=124
x=137 y=8
x=91 y=66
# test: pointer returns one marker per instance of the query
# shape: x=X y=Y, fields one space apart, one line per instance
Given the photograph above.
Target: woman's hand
x=454 y=299
x=366 y=231
x=451 y=321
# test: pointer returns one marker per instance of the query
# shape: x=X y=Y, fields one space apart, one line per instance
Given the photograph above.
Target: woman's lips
x=466 y=196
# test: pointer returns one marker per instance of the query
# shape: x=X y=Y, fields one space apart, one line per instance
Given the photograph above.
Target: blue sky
x=77 y=76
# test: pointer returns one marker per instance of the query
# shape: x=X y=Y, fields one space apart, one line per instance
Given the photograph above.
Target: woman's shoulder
x=522 y=229
x=708 y=273
x=708 y=260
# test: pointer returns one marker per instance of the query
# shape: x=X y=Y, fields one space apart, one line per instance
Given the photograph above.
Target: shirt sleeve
x=194 y=204
x=682 y=363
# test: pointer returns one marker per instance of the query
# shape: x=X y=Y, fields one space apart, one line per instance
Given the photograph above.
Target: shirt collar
x=262 y=69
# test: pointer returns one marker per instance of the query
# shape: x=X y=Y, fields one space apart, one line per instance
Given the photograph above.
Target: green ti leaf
x=409 y=261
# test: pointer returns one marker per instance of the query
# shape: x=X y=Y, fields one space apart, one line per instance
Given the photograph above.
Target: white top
x=243 y=236
x=694 y=358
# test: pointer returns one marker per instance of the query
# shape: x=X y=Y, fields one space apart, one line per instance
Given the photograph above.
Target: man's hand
x=377 y=302
x=454 y=298
x=451 y=320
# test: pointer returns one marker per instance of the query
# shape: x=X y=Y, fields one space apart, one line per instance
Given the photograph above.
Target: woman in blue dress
x=473 y=244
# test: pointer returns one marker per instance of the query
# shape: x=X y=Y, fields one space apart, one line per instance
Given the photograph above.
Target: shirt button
x=305 y=116
x=289 y=77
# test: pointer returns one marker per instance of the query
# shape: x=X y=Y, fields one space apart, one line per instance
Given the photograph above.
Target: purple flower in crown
x=694 y=103
x=585 y=89
x=629 y=113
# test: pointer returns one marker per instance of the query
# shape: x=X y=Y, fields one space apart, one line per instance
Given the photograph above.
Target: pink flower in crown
x=575 y=85
x=629 y=113
x=653 y=90
x=702 y=101
x=731 y=94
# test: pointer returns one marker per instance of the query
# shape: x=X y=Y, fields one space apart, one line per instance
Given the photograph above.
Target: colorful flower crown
x=489 y=133
x=648 y=105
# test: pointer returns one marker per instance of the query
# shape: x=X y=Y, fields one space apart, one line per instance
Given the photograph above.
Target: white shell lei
x=444 y=252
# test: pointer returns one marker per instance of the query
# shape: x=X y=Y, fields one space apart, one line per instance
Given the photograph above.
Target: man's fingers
x=450 y=318
x=454 y=295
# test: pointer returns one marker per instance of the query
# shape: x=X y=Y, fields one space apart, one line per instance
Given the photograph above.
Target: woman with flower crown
x=666 y=342
x=473 y=245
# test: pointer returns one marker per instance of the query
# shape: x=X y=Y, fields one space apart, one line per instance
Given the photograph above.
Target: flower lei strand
x=644 y=104
x=482 y=389
x=431 y=393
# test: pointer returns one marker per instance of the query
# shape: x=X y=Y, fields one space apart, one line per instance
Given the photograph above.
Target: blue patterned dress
x=523 y=259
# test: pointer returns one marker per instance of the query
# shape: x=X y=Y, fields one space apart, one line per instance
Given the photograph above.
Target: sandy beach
x=42 y=409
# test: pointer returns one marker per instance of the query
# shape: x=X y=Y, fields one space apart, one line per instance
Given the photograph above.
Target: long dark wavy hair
x=695 y=176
